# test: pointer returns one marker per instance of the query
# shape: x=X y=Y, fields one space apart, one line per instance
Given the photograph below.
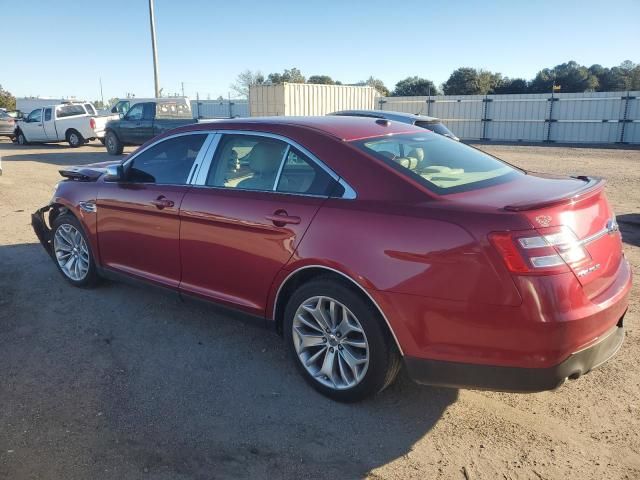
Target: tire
x=113 y=144
x=75 y=139
x=68 y=232
x=21 y=139
x=344 y=384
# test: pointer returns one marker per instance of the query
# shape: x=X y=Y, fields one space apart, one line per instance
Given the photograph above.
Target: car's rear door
x=246 y=214
x=138 y=221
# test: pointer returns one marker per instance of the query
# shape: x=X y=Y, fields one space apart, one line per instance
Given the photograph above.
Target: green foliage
x=7 y=100
x=512 y=85
x=377 y=84
x=246 y=79
x=570 y=76
x=288 y=76
x=414 y=86
x=321 y=80
x=469 y=81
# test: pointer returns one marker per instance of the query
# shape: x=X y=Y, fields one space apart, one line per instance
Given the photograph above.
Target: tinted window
x=438 y=163
x=35 y=116
x=247 y=162
x=438 y=128
x=90 y=109
x=168 y=162
x=47 y=114
x=301 y=175
x=70 y=111
x=122 y=106
x=136 y=112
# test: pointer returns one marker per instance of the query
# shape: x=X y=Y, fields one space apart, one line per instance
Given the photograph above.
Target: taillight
x=541 y=251
x=92 y=123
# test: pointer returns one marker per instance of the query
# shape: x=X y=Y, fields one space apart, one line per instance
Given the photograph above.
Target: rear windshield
x=436 y=127
x=90 y=109
x=70 y=111
x=442 y=165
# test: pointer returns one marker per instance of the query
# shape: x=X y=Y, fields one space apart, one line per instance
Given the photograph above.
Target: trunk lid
x=578 y=203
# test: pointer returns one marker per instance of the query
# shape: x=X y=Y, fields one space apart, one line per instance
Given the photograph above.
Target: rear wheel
x=72 y=252
x=74 y=138
x=113 y=144
x=339 y=341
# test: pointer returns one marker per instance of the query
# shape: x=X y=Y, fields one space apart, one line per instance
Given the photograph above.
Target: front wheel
x=339 y=341
x=72 y=252
x=113 y=144
x=21 y=139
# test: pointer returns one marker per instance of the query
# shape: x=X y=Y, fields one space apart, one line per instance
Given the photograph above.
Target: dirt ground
x=126 y=382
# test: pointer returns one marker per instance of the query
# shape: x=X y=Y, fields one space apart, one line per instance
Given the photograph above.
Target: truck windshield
x=442 y=165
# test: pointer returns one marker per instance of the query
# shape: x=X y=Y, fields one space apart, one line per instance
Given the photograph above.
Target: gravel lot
x=126 y=382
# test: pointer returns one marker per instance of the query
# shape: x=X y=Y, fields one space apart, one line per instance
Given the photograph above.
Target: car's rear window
x=70 y=111
x=436 y=127
x=442 y=165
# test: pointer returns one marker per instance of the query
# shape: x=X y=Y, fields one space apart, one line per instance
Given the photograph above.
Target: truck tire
x=74 y=138
x=113 y=143
x=21 y=139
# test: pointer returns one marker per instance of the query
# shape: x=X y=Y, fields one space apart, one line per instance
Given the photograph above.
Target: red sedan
x=368 y=244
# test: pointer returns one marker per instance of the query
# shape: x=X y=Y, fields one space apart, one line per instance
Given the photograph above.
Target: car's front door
x=32 y=128
x=138 y=222
x=136 y=127
x=244 y=217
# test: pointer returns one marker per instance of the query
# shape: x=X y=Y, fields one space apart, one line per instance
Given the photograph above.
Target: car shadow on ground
x=148 y=383
x=56 y=154
x=630 y=228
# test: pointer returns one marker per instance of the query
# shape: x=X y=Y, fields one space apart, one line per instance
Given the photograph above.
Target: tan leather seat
x=264 y=161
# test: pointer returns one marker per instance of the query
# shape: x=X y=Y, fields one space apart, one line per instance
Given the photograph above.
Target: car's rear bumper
x=514 y=379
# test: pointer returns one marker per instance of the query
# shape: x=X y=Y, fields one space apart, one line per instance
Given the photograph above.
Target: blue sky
x=62 y=48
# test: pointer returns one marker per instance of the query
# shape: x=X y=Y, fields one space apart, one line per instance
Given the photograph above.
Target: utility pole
x=101 y=95
x=182 y=84
x=152 y=21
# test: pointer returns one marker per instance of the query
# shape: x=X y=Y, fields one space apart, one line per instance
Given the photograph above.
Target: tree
x=321 y=80
x=289 y=76
x=414 y=86
x=246 y=79
x=7 y=100
x=375 y=83
x=512 y=85
x=469 y=81
x=570 y=76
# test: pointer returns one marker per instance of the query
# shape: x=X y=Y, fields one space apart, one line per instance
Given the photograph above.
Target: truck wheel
x=113 y=144
x=74 y=138
x=21 y=139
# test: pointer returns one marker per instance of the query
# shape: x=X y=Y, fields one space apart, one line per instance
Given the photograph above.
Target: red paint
x=426 y=260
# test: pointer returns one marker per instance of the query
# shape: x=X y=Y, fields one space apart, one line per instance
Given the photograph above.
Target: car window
x=172 y=109
x=122 y=106
x=90 y=109
x=47 y=114
x=246 y=162
x=136 y=112
x=435 y=127
x=70 y=111
x=167 y=162
x=149 y=111
x=438 y=163
x=35 y=116
x=301 y=175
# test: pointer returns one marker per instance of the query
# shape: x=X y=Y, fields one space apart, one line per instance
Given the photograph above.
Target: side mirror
x=121 y=115
x=114 y=173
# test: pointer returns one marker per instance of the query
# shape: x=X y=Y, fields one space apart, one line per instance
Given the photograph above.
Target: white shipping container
x=307 y=99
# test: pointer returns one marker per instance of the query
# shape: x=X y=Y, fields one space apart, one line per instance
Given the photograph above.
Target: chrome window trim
x=132 y=157
x=195 y=168
x=349 y=192
x=281 y=167
x=201 y=177
x=275 y=303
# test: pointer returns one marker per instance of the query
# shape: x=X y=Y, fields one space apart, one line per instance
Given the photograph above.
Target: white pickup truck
x=76 y=123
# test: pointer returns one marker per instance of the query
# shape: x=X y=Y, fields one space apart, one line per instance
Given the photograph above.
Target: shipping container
x=308 y=99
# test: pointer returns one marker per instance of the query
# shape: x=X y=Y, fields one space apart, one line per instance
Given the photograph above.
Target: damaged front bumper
x=42 y=230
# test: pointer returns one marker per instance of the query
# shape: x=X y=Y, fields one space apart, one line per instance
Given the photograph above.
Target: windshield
x=442 y=165
x=436 y=127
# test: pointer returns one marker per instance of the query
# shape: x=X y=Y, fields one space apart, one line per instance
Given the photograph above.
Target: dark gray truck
x=145 y=120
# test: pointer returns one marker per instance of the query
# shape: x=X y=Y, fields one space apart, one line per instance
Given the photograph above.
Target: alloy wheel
x=71 y=251
x=330 y=343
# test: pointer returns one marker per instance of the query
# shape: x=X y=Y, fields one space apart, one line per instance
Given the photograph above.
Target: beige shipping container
x=306 y=99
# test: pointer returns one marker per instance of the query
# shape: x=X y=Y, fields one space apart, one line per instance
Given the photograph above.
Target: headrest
x=265 y=157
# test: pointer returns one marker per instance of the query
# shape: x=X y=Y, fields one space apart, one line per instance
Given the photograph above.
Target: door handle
x=280 y=218
x=162 y=202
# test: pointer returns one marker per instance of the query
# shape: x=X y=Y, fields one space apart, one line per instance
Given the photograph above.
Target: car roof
x=403 y=117
x=344 y=128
